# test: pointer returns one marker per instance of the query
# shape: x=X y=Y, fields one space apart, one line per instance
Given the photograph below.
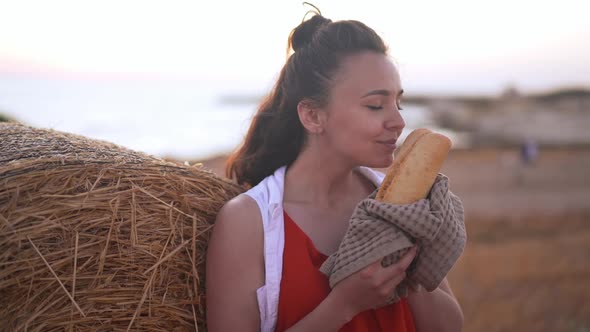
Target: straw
x=97 y=237
x=56 y=277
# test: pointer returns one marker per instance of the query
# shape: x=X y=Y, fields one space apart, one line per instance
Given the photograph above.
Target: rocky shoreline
x=558 y=118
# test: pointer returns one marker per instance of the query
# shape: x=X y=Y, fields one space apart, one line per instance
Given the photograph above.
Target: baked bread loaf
x=415 y=167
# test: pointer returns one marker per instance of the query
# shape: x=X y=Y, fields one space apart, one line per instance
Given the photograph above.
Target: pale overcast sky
x=452 y=46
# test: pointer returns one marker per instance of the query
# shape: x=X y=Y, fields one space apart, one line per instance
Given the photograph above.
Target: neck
x=318 y=178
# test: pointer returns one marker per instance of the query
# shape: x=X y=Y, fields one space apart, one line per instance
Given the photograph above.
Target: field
x=526 y=266
x=527 y=263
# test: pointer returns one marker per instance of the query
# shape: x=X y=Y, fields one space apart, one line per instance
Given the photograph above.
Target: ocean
x=181 y=119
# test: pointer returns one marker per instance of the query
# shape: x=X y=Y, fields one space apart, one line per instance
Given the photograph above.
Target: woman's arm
x=438 y=310
x=235 y=267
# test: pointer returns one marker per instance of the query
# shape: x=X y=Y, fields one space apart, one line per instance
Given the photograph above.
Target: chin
x=383 y=162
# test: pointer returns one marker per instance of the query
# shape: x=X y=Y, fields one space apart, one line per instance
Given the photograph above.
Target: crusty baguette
x=415 y=167
x=400 y=155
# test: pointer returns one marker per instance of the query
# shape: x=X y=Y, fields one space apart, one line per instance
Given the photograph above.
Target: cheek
x=357 y=134
x=354 y=128
x=351 y=130
x=368 y=127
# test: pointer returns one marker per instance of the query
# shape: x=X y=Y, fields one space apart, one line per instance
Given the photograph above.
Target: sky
x=452 y=46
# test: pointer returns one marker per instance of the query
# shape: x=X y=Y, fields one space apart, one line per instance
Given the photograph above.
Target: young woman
x=331 y=117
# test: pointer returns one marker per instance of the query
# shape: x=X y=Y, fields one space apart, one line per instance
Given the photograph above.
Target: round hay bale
x=97 y=237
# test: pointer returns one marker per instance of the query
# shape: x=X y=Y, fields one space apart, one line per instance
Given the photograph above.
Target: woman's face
x=363 y=121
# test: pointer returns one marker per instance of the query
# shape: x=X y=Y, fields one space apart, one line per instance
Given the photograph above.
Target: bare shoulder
x=239 y=224
x=239 y=210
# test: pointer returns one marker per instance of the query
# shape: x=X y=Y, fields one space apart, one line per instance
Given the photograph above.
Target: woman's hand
x=372 y=286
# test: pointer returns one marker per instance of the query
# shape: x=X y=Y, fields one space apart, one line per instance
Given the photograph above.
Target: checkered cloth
x=382 y=230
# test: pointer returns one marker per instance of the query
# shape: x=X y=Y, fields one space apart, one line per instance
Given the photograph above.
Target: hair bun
x=304 y=32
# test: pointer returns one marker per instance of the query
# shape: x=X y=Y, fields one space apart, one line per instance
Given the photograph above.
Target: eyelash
x=374 y=108
x=377 y=108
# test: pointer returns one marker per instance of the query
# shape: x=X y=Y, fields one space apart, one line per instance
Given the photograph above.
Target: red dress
x=303 y=287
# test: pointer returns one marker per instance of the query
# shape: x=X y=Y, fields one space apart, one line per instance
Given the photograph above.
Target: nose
x=395 y=121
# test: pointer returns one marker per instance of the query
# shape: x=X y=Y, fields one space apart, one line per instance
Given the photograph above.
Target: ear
x=312 y=118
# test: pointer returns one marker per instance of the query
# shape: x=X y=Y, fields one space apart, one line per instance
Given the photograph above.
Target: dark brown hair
x=276 y=136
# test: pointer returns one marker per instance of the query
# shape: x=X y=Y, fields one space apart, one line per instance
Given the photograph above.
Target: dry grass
x=529 y=274
x=97 y=237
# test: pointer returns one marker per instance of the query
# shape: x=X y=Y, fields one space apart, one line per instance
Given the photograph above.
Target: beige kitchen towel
x=379 y=230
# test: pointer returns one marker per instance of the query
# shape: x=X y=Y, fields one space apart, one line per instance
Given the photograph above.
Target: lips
x=389 y=143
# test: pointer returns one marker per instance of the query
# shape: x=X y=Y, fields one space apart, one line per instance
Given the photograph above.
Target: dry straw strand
x=172 y=253
x=56 y=277
x=74 y=279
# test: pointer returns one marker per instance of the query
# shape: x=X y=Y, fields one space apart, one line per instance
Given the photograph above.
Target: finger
x=407 y=259
x=403 y=263
x=396 y=279
x=392 y=284
x=371 y=269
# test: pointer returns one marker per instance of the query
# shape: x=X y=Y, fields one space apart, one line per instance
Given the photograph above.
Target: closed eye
x=374 y=108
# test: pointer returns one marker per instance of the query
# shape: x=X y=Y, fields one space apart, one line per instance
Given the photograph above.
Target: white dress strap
x=268 y=194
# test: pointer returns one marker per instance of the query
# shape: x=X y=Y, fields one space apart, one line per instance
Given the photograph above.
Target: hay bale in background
x=98 y=237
